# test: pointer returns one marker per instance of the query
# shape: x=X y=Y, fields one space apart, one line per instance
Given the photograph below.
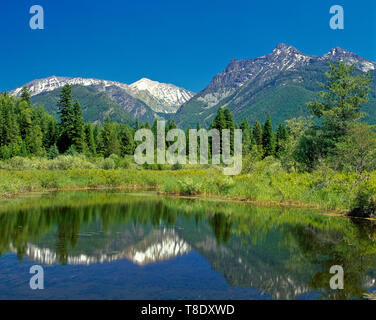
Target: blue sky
x=180 y=42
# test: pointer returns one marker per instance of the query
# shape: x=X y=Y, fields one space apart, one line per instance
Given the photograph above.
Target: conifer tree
x=127 y=143
x=219 y=122
x=268 y=143
x=246 y=136
x=230 y=124
x=281 y=138
x=34 y=140
x=90 y=139
x=78 y=129
x=25 y=95
x=50 y=137
x=137 y=125
x=65 y=106
x=109 y=139
x=257 y=134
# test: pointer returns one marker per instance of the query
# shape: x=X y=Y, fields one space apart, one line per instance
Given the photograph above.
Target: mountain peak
x=339 y=54
x=153 y=92
x=144 y=84
x=284 y=48
x=338 y=50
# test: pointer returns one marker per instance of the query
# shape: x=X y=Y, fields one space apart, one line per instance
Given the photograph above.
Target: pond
x=118 y=245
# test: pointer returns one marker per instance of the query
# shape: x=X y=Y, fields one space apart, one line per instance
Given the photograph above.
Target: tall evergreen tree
x=78 y=128
x=281 y=139
x=230 y=124
x=50 y=137
x=25 y=95
x=90 y=139
x=268 y=143
x=65 y=106
x=137 y=125
x=339 y=108
x=219 y=121
x=109 y=139
x=257 y=134
x=246 y=136
x=127 y=143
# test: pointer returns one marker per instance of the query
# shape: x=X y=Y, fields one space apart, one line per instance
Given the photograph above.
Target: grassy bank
x=266 y=184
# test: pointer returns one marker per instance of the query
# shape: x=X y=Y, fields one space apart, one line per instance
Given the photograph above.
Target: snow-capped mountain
x=39 y=86
x=159 y=97
x=281 y=80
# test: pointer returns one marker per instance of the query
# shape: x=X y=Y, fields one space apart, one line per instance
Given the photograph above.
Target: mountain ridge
x=279 y=83
x=144 y=99
x=246 y=83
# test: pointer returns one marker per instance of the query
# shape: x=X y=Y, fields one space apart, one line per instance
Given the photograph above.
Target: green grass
x=266 y=184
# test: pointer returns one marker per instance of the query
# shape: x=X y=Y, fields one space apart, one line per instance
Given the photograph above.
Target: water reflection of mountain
x=284 y=253
x=157 y=246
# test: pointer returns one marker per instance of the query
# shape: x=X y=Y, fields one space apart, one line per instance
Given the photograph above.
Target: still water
x=117 y=245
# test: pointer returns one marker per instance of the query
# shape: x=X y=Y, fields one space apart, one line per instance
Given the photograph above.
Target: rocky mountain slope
x=142 y=100
x=279 y=83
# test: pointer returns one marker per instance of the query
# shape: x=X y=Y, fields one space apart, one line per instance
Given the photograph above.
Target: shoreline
x=202 y=196
x=259 y=189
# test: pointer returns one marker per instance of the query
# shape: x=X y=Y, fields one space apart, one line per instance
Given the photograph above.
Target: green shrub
x=364 y=203
x=190 y=187
x=108 y=164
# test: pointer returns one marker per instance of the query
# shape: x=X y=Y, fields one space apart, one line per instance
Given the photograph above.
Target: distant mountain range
x=143 y=100
x=280 y=83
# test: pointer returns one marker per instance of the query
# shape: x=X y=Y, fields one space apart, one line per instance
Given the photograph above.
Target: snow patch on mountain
x=162 y=97
x=39 y=86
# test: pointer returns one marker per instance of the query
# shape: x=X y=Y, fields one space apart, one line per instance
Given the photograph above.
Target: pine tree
x=281 y=138
x=230 y=124
x=34 y=140
x=268 y=138
x=78 y=128
x=219 y=122
x=90 y=139
x=341 y=99
x=66 y=112
x=127 y=143
x=50 y=136
x=24 y=111
x=23 y=150
x=146 y=125
x=25 y=95
x=246 y=134
x=109 y=139
x=9 y=128
x=257 y=134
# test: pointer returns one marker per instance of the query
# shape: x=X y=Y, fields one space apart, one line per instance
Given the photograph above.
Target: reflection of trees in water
x=30 y=225
x=221 y=225
x=276 y=245
x=353 y=248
